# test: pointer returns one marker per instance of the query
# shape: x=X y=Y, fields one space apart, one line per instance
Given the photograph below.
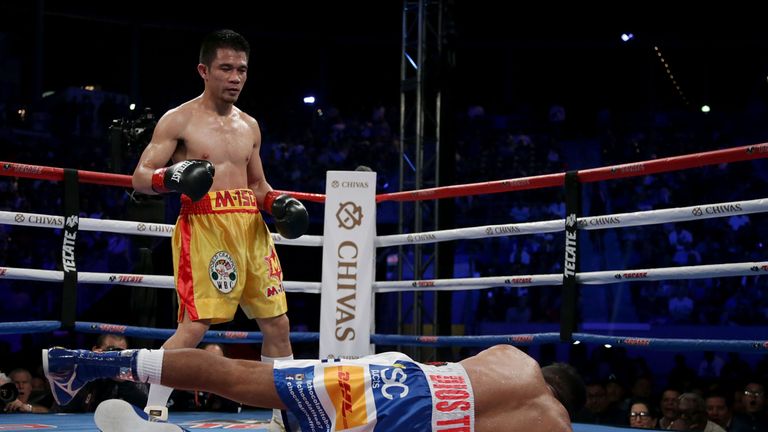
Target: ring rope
x=617 y=220
x=154 y=281
x=125 y=227
x=598 y=174
x=635 y=169
x=588 y=278
x=670 y=344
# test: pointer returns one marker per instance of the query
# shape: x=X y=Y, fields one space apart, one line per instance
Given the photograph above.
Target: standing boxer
x=223 y=254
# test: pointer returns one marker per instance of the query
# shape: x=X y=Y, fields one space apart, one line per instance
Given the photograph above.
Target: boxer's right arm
x=159 y=150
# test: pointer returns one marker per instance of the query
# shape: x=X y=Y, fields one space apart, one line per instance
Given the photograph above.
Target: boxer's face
x=226 y=76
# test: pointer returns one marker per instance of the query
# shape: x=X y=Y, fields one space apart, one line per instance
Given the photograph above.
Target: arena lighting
x=608 y=346
x=309 y=100
x=410 y=60
x=132 y=107
x=671 y=76
x=577 y=342
x=705 y=108
x=626 y=37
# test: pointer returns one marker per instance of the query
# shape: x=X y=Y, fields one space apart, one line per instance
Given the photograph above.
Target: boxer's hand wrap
x=291 y=217
x=192 y=178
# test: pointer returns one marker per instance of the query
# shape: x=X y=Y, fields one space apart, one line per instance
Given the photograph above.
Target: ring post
x=569 y=304
x=71 y=225
x=346 y=303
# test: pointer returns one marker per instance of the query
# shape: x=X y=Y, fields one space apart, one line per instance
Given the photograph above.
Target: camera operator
x=8 y=391
x=22 y=380
x=100 y=390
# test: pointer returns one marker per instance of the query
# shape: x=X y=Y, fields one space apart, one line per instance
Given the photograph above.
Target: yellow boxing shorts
x=223 y=255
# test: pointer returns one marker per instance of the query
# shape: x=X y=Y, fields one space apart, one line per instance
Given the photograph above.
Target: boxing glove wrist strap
x=269 y=199
x=158 y=181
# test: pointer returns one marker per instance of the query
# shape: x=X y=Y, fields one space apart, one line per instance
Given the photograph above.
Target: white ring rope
x=154 y=281
x=125 y=227
x=674 y=273
x=618 y=220
x=472 y=233
x=679 y=214
x=588 y=223
x=648 y=217
x=458 y=284
x=589 y=278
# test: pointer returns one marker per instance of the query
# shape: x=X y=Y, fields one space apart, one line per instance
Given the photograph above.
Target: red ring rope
x=636 y=169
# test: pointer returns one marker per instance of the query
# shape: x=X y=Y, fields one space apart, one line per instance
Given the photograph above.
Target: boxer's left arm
x=159 y=150
x=257 y=181
x=290 y=216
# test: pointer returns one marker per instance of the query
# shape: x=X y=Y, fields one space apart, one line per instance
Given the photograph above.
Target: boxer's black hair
x=224 y=38
x=567 y=386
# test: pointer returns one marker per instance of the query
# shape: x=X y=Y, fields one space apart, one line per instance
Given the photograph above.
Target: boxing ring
x=570 y=281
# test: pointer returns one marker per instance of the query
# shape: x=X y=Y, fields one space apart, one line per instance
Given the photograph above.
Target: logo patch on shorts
x=223 y=272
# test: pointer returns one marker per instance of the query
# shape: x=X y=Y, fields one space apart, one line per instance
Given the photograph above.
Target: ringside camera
x=134 y=134
x=8 y=393
x=129 y=137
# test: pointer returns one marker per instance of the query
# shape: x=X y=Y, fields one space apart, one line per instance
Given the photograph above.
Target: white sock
x=149 y=365
x=271 y=360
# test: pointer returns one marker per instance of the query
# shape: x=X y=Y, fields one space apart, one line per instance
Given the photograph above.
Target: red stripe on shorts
x=185 y=284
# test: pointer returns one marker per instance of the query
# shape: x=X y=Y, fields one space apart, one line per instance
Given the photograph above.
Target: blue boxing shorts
x=383 y=392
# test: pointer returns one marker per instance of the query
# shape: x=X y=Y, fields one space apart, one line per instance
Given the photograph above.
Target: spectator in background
x=692 y=409
x=668 y=408
x=680 y=306
x=23 y=381
x=642 y=415
x=679 y=424
x=710 y=366
x=719 y=410
x=616 y=393
x=41 y=392
x=642 y=388
x=755 y=415
x=598 y=409
x=681 y=376
x=110 y=342
x=735 y=369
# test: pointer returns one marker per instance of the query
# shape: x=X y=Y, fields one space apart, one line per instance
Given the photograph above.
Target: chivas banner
x=346 y=306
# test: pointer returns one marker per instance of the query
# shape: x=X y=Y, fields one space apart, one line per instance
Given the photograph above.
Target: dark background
x=348 y=53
